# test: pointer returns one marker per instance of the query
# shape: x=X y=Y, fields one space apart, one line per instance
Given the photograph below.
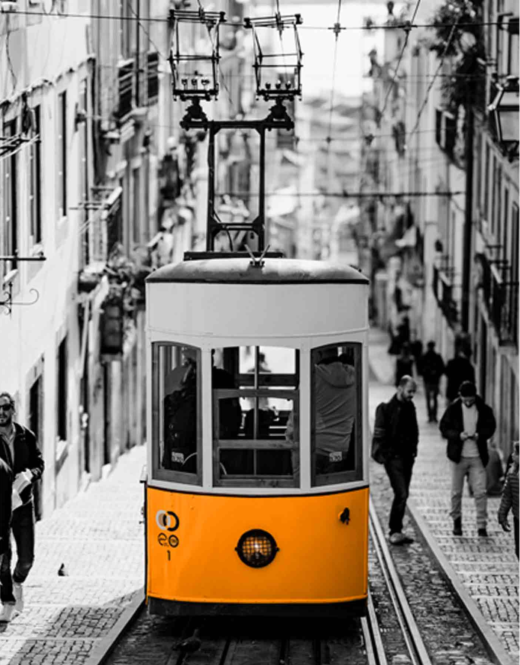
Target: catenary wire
x=396 y=71
x=430 y=86
x=303 y=26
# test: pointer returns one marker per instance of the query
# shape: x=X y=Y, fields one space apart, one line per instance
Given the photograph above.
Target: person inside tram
x=229 y=407
x=335 y=409
x=180 y=415
x=180 y=412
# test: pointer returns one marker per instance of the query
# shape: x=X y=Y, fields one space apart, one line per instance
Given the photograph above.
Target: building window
x=10 y=226
x=136 y=207
x=495 y=217
x=35 y=189
x=61 y=156
x=513 y=245
x=61 y=394
x=84 y=176
x=36 y=426
x=485 y=188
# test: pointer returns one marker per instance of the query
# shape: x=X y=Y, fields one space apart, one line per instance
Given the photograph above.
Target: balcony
x=152 y=77
x=442 y=285
x=125 y=85
x=500 y=296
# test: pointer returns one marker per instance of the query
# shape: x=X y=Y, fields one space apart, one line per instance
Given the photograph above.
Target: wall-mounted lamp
x=505 y=111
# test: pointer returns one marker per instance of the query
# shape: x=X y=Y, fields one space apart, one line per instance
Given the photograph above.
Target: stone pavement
x=98 y=538
x=487 y=567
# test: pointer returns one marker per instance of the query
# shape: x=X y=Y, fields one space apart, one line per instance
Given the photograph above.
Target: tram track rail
x=197 y=646
x=197 y=643
x=415 y=645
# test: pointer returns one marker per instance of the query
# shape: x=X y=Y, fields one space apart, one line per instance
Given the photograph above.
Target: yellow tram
x=257 y=481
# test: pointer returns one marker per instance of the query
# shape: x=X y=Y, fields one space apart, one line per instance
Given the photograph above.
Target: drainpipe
x=468 y=218
x=138 y=54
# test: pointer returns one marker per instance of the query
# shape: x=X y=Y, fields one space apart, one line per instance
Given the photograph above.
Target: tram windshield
x=176 y=402
x=255 y=405
x=336 y=401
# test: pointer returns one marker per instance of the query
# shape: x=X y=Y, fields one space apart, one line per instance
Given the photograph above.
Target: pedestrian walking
x=416 y=349
x=510 y=495
x=458 y=370
x=6 y=488
x=467 y=424
x=394 y=444
x=403 y=364
x=19 y=450
x=432 y=368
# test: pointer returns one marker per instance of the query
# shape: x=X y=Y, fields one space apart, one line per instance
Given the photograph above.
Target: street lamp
x=505 y=111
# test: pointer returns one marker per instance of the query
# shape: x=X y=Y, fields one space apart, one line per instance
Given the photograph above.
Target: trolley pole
x=195 y=118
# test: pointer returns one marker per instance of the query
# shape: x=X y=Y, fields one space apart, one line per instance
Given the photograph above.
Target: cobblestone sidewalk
x=488 y=567
x=98 y=539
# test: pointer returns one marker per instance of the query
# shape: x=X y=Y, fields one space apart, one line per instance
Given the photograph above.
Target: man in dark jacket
x=6 y=488
x=394 y=444
x=19 y=450
x=431 y=368
x=467 y=424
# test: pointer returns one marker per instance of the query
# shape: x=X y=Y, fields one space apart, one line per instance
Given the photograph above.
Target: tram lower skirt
x=332 y=610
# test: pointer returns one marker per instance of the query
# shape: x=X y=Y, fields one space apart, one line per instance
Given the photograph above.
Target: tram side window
x=176 y=405
x=336 y=402
x=255 y=407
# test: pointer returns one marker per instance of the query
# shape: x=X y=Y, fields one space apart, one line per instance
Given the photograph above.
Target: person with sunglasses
x=19 y=451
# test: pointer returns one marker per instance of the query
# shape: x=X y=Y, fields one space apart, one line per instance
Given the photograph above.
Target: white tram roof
x=230 y=298
x=272 y=271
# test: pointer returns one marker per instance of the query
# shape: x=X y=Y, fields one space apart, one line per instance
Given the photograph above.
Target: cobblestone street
x=98 y=539
x=487 y=567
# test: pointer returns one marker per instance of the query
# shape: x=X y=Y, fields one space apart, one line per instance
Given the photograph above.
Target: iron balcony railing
x=500 y=296
x=442 y=285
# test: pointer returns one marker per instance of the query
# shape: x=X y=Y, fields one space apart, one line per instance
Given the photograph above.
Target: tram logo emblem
x=167 y=520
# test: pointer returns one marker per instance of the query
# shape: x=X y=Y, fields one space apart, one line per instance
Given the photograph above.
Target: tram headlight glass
x=256 y=548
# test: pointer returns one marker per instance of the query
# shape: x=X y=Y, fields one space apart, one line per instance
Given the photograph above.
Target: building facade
x=456 y=249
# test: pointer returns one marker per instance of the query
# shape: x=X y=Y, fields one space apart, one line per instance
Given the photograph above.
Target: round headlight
x=256 y=548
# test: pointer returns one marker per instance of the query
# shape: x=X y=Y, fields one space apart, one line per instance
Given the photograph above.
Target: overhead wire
x=147 y=33
x=396 y=71
x=432 y=82
x=407 y=26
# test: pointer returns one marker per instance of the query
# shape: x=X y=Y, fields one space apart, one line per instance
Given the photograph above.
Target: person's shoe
x=483 y=532
x=399 y=538
x=457 y=526
x=18 y=594
x=7 y=613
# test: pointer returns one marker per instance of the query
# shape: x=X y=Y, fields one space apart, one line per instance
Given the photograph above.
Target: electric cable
x=430 y=86
x=411 y=26
x=396 y=71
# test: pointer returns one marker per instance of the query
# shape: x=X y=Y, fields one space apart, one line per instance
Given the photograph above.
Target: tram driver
x=180 y=412
x=180 y=415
